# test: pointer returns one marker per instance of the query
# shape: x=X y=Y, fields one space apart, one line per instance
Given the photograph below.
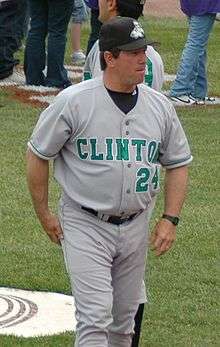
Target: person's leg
x=95 y=29
x=75 y=36
x=199 y=30
x=78 y=57
x=8 y=42
x=58 y=19
x=89 y=247
x=201 y=84
x=21 y=21
x=35 y=55
x=127 y=278
x=79 y=15
x=137 y=326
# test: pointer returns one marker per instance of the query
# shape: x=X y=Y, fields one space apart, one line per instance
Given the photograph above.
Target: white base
x=30 y=314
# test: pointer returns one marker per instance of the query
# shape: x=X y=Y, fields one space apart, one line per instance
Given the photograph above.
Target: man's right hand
x=51 y=225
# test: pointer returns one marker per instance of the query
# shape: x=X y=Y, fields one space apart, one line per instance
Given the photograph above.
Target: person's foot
x=66 y=85
x=14 y=78
x=60 y=86
x=203 y=101
x=6 y=74
x=183 y=100
x=78 y=58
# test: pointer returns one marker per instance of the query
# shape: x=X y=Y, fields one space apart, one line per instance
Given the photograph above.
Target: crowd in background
x=40 y=28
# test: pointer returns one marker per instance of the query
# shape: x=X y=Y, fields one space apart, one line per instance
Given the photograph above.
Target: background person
x=49 y=20
x=110 y=178
x=8 y=37
x=154 y=74
x=190 y=85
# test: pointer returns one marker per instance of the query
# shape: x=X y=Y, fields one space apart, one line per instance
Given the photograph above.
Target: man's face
x=129 y=67
x=104 y=14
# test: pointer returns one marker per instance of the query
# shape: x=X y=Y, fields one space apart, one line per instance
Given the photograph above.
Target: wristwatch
x=172 y=219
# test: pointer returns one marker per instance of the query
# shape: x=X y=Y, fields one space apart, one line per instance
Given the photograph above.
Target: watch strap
x=172 y=219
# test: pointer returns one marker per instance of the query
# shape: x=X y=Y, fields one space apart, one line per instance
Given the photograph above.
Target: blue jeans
x=49 y=18
x=8 y=38
x=22 y=21
x=191 y=75
x=79 y=13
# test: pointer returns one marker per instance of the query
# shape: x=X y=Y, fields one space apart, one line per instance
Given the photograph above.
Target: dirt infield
x=163 y=8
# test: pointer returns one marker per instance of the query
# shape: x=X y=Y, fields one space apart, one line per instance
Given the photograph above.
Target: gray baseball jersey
x=154 y=73
x=103 y=158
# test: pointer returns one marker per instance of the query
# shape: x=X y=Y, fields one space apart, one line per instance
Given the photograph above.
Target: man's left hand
x=163 y=236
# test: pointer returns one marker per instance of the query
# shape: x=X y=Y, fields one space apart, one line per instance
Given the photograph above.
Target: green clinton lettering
x=95 y=155
x=79 y=143
x=122 y=149
x=109 y=155
x=153 y=152
x=138 y=144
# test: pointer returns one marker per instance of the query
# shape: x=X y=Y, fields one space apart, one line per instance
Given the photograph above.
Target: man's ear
x=109 y=59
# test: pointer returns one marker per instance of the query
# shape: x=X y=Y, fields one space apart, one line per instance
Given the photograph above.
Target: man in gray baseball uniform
x=154 y=71
x=108 y=138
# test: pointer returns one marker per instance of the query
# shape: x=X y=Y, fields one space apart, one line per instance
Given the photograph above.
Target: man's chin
x=140 y=80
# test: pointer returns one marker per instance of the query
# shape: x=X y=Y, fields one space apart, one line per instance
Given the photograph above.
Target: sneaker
x=182 y=99
x=198 y=101
x=210 y=99
x=78 y=58
x=203 y=101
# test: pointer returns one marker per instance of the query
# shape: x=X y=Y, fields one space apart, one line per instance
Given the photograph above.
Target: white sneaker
x=78 y=58
x=203 y=101
x=183 y=100
x=217 y=16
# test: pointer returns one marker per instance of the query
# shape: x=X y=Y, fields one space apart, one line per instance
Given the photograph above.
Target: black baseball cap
x=124 y=33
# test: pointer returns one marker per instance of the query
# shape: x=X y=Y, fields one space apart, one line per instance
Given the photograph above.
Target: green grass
x=184 y=297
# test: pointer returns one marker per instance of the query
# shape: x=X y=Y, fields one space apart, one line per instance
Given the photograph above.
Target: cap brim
x=137 y=44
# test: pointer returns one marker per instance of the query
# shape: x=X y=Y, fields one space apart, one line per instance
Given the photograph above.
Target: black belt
x=111 y=219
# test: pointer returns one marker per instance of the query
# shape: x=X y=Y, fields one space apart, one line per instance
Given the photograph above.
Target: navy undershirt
x=124 y=101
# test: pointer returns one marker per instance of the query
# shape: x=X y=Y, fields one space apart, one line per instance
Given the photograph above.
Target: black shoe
x=6 y=74
x=67 y=84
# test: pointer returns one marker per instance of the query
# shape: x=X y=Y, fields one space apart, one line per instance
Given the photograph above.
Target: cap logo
x=137 y=31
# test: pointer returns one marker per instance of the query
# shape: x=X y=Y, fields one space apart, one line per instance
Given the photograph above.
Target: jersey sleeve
x=52 y=130
x=88 y=71
x=174 y=150
x=92 y=66
x=154 y=73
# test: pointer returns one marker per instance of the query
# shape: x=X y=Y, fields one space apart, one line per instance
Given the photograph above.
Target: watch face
x=175 y=220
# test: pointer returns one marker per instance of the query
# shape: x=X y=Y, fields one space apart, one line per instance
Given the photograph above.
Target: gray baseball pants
x=106 y=266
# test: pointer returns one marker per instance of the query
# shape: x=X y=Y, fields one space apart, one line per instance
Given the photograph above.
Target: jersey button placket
x=127 y=166
x=127 y=122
